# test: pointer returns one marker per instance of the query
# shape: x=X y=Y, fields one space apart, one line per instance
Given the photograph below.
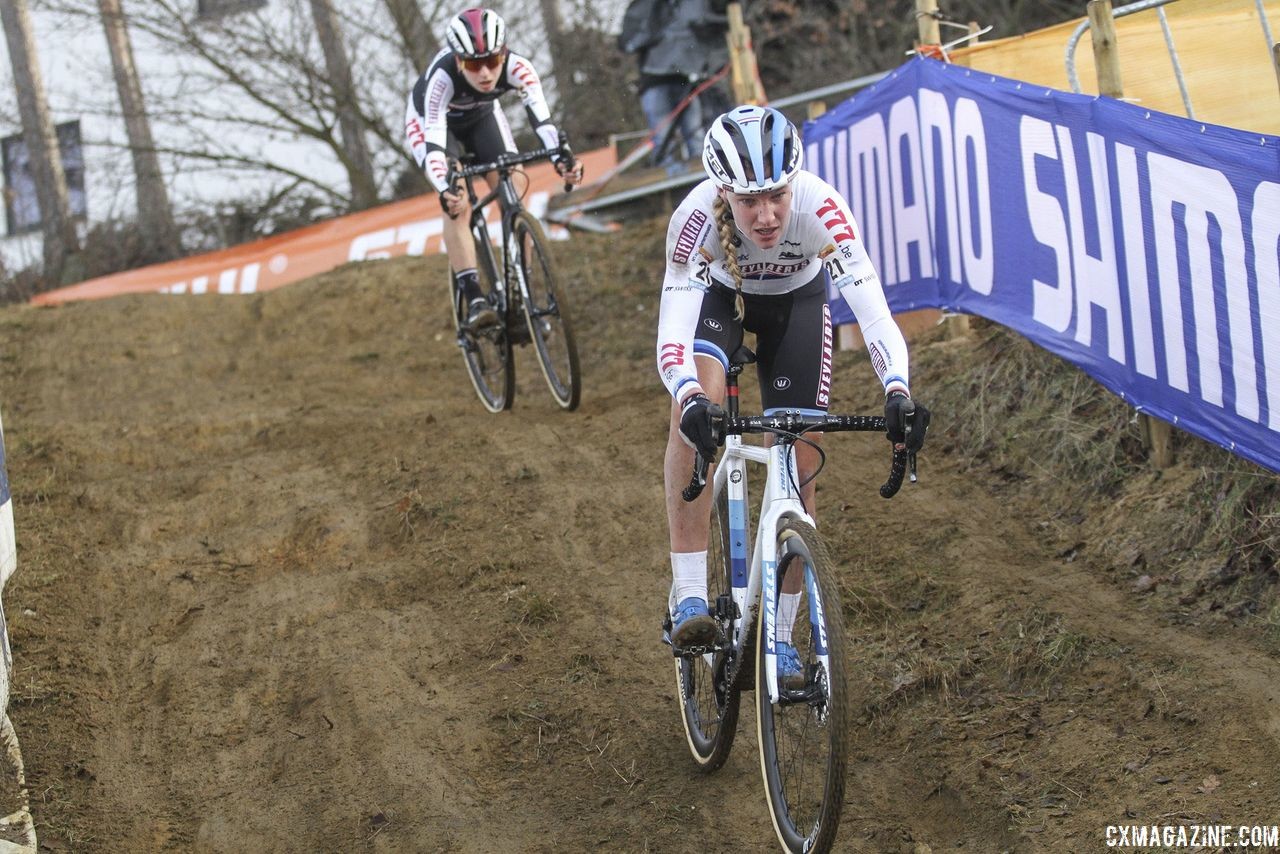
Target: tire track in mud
x=294 y=588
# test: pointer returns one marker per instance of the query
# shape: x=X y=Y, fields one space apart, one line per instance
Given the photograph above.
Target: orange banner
x=409 y=227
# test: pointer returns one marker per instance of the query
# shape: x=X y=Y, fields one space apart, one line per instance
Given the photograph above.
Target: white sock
x=788 y=604
x=689 y=575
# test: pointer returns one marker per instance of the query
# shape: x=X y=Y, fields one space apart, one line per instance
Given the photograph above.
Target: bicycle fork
x=781 y=502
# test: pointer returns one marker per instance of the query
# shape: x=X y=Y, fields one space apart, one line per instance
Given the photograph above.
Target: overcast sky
x=79 y=85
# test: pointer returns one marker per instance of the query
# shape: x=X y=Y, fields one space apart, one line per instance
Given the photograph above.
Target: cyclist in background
x=452 y=114
x=750 y=249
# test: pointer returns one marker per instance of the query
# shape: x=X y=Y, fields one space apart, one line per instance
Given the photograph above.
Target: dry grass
x=1036 y=647
x=1057 y=437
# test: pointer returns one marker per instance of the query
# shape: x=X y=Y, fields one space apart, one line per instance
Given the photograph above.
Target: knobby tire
x=546 y=313
x=803 y=744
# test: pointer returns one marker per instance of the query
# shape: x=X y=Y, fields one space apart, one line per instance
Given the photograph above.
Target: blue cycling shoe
x=790 y=668
x=692 y=625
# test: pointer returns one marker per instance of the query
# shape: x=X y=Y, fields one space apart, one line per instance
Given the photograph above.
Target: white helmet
x=476 y=33
x=752 y=150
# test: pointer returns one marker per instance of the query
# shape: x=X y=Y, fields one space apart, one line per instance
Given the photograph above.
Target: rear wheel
x=486 y=351
x=546 y=313
x=709 y=702
x=803 y=736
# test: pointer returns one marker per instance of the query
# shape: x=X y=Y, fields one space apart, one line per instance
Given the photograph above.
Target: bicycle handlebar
x=796 y=424
x=516 y=158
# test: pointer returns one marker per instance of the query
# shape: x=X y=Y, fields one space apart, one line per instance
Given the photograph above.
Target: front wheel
x=547 y=313
x=487 y=352
x=802 y=737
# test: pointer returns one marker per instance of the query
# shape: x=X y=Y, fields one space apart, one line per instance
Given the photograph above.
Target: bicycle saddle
x=742 y=356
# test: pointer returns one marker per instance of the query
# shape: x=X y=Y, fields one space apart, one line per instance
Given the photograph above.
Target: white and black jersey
x=442 y=101
x=819 y=237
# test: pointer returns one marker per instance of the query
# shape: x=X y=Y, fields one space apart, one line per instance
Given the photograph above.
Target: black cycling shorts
x=793 y=342
x=479 y=140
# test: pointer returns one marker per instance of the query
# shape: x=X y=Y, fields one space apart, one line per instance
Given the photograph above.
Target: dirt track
x=284 y=586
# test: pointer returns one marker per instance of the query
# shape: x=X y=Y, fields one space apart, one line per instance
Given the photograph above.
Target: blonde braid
x=724 y=221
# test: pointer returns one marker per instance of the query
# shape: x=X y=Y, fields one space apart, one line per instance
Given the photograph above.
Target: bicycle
x=527 y=298
x=801 y=729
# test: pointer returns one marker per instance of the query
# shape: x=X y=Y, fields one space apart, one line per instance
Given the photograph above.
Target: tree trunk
x=420 y=44
x=553 y=26
x=60 y=240
x=155 y=217
x=355 y=152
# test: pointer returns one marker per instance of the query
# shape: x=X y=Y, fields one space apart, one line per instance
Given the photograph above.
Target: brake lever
x=699 y=480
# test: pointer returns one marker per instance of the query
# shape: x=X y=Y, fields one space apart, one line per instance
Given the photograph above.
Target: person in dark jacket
x=679 y=44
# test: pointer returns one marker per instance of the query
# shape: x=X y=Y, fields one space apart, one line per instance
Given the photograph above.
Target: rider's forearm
x=548 y=134
x=677 y=323
x=436 y=166
x=888 y=351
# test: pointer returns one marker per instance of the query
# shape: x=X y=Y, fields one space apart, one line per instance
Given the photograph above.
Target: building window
x=22 y=208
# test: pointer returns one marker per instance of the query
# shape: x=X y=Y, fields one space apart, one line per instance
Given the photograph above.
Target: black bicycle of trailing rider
x=519 y=279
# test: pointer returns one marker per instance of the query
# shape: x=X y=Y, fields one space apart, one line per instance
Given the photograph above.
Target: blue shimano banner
x=1142 y=247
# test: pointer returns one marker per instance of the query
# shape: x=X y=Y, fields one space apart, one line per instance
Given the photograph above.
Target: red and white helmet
x=477 y=33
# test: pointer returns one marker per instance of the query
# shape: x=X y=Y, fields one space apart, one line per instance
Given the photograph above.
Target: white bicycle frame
x=781 y=501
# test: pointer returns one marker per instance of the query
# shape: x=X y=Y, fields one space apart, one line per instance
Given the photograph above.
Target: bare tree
x=354 y=151
x=243 y=95
x=553 y=26
x=586 y=62
x=60 y=240
x=155 y=216
x=420 y=44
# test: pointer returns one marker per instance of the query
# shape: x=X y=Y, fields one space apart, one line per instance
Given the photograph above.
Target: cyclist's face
x=762 y=216
x=482 y=76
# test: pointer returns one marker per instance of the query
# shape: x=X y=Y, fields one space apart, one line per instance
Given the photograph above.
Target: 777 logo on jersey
x=672 y=356
x=837 y=224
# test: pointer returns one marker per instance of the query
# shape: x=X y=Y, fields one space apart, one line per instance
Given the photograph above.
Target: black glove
x=700 y=423
x=566 y=165
x=905 y=421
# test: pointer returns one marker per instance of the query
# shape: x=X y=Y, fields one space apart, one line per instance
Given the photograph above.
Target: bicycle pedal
x=692 y=651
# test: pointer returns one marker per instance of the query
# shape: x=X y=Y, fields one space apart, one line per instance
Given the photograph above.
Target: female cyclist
x=751 y=248
x=452 y=113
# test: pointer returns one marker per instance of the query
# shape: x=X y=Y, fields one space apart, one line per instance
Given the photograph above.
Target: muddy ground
x=285 y=586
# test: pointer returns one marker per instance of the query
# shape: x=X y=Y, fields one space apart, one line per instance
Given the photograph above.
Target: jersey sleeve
x=426 y=125
x=524 y=79
x=845 y=257
x=686 y=281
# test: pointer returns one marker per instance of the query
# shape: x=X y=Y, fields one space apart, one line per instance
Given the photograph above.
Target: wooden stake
x=744 y=76
x=1157 y=435
x=1275 y=59
x=927 y=23
x=1106 y=54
